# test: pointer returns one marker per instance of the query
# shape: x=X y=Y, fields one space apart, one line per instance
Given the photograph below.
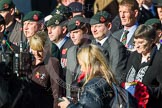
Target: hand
x=64 y=103
x=3 y=41
x=140 y=2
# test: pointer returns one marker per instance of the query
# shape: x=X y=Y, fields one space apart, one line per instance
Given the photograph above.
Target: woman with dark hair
x=145 y=64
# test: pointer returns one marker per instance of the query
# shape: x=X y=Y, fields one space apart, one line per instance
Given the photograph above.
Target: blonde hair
x=38 y=40
x=92 y=57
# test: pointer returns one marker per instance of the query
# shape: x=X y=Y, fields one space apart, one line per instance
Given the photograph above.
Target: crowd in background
x=75 y=54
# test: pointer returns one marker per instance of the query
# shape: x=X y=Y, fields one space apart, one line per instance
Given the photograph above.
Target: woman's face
x=37 y=54
x=142 y=45
x=30 y=28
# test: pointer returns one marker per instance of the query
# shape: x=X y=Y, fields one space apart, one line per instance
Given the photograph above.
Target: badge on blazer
x=38 y=75
x=64 y=51
x=63 y=62
x=42 y=76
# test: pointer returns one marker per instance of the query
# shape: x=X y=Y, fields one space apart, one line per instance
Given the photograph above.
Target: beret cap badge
x=102 y=19
x=35 y=17
x=57 y=11
x=5 y=6
x=57 y=22
x=77 y=23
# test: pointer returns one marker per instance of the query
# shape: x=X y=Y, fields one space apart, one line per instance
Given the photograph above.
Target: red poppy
x=102 y=19
x=37 y=75
x=5 y=6
x=35 y=17
x=64 y=51
x=77 y=23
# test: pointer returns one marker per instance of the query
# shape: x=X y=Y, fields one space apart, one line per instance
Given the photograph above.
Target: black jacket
x=96 y=94
x=144 y=15
x=152 y=77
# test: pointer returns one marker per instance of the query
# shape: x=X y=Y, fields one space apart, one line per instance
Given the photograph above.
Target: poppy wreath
x=141 y=93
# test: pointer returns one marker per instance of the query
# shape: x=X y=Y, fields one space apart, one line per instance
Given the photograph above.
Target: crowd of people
x=75 y=57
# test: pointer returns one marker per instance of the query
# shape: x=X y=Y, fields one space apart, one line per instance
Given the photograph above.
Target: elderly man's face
x=30 y=28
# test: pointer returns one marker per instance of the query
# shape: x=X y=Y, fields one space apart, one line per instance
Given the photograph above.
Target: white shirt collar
x=60 y=43
x=104 y=39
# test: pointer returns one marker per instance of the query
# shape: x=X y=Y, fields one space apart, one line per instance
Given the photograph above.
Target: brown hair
x=145 y=31
x=131 y=3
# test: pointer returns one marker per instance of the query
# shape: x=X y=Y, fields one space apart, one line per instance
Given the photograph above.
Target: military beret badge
x=35 y=17
x=77 y=23
x=57 y=22
x=102 y=19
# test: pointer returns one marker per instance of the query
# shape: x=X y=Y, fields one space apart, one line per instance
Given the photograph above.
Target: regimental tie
x=124 y=38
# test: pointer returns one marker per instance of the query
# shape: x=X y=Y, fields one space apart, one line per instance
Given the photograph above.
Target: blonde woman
x=96 y=78
x=45 y=72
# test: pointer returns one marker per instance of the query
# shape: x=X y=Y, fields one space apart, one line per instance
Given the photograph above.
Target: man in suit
x=128 y=12
x=147 y=10
x=112 y=48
